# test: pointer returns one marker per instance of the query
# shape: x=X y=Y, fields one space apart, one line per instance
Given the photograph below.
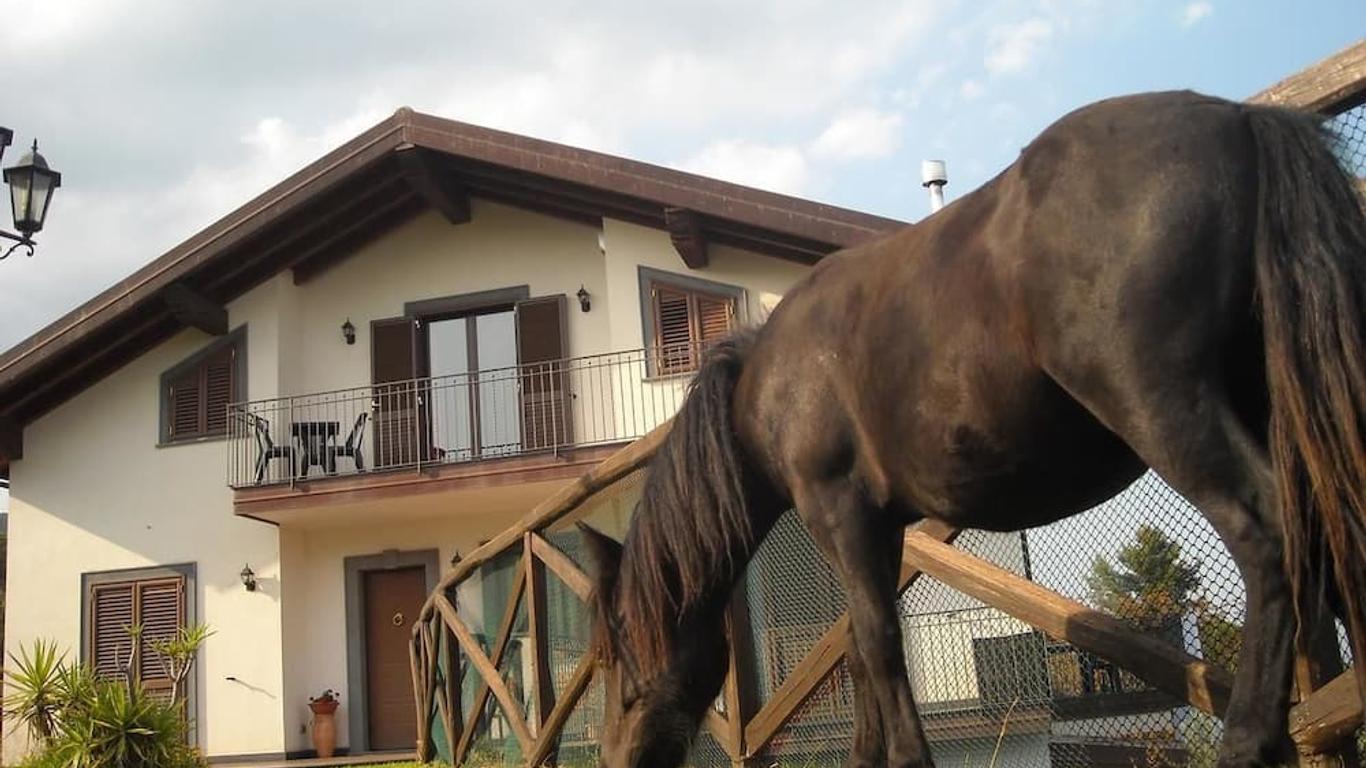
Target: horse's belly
x=1035 y=496
x=1021 y=474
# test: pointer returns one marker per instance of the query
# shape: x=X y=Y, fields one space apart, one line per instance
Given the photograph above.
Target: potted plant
x=324 y=707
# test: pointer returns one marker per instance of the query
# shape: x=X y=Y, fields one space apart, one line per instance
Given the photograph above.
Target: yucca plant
x=177 y=654
x=124 y=727
x=37 y=694
x=80 y=721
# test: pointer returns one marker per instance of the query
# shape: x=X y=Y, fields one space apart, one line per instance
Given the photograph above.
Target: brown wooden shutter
x=161 y=611
x=197 y=399
x=219 y=389
x=111 y=613
x=186 y=405
x=541 y=348
x=157 y=605
x=673 y=330
x=393 y=365
x=715 y=316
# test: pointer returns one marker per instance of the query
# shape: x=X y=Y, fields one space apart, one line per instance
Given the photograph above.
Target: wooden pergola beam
x=1333 y=85
x=685 y=230
x=1194 y=681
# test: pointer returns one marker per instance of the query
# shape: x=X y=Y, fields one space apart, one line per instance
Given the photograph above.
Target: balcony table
x=313 y=438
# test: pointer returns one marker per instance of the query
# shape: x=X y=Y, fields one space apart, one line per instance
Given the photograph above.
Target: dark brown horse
x=1165 y=280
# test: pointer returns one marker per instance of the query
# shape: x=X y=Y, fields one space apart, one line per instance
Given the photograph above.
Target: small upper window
x=686 y=317
x=196 y=393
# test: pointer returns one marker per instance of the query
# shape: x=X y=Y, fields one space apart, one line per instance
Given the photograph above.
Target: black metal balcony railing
x=498 y=413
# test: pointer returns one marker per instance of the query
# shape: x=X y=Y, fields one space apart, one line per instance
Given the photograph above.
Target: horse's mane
x=692 y=531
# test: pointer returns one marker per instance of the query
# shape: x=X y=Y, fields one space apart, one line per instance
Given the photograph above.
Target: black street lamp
x=31 y=185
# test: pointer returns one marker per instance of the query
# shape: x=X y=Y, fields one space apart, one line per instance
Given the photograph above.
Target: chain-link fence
x=992 y=690
x=1350 y=129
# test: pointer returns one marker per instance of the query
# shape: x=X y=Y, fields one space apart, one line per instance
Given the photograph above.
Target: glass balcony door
x=476 y=409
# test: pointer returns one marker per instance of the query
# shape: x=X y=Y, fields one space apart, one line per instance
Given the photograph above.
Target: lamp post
x=31 y=185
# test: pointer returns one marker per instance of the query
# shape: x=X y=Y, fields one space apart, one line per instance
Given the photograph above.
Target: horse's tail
x=694 y=529
x=1311 y=282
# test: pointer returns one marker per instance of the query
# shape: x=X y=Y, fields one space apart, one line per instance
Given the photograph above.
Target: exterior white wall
x=94 y=493
x=427 y=258
x=315 y=625
x=630 y=246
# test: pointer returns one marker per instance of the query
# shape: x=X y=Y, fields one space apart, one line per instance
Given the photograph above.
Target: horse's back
x=952 y=362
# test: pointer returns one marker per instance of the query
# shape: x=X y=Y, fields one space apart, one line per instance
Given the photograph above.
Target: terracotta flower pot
x=324 y=725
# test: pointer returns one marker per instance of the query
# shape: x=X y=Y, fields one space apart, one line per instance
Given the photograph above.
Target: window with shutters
x=157 y=600
x=195 y=394
x=683 y=316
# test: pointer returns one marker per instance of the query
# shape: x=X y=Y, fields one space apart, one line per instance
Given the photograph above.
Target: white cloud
x=862 y=133
x=163 y=128
x=51 y=25
x=1196 y=12
x=1011 y=48
x=775 y=167
x=970 y=90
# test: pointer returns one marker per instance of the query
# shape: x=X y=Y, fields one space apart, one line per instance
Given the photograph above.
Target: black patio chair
x=266 y=449
x=352 y=447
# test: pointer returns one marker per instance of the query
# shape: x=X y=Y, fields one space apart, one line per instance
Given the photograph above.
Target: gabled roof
x=403 y=165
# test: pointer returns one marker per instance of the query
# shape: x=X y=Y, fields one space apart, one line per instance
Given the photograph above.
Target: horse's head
x=655 y=703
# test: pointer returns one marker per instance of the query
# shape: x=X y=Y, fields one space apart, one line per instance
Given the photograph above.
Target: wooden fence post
x=1317 y=662
x=542 y=684
x=740 y=698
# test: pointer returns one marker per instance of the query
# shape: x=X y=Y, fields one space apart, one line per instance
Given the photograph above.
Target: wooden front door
x=392 y=600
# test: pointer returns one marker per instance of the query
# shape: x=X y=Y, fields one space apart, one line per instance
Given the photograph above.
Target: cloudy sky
x=164 y=114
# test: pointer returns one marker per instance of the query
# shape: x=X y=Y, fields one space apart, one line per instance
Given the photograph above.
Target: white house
x=287 y=425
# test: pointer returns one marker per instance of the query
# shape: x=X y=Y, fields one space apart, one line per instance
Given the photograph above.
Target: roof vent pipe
x=934 y=175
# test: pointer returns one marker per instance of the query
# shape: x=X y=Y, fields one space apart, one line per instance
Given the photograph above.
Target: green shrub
x=123 y=726
x=36 y=691
x=79 y=721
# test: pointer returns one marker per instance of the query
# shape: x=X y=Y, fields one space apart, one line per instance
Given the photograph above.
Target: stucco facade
x=95 y=491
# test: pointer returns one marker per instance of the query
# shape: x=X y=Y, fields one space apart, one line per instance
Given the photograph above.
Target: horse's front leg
x=863 y=544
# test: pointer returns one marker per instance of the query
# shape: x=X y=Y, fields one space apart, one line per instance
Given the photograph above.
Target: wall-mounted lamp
x=248 y=578
x=349 y=331
x=585 y=300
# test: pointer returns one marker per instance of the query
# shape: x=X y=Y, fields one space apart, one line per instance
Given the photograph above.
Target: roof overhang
x=403 y=165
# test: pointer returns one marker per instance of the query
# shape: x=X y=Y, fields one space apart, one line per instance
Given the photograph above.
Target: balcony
x=571 y=411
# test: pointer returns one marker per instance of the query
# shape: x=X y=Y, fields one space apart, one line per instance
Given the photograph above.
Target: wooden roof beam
x=345 y=240
x=685 y=230
x=195 y=309
x=422 y=170
x=11 y=441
